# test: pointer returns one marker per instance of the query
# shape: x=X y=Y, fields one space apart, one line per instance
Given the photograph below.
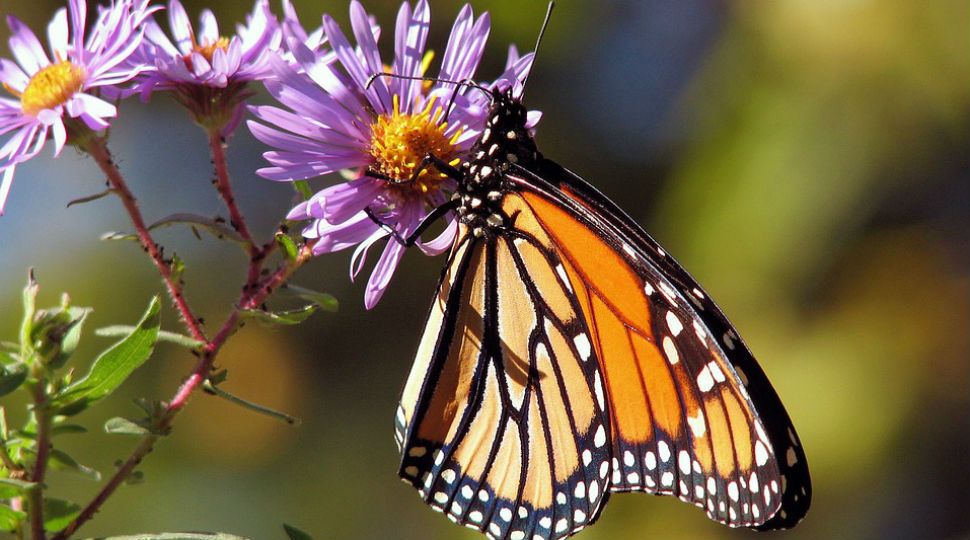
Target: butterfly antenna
x=535 y=53
x=454 y=95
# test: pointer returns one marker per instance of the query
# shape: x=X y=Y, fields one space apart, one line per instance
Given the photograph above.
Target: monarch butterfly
x=567 y=356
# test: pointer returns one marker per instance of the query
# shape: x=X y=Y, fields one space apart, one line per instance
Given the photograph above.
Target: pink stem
x=252 y=296
x=102 y=156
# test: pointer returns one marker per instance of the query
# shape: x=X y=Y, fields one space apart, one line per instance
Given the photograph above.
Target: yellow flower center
x=205 y=49
x=51 y=86
x=400 y=142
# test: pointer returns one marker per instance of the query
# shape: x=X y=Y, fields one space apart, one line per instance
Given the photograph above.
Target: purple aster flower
x=206 y=71
x=334 y=121
x=53 y=94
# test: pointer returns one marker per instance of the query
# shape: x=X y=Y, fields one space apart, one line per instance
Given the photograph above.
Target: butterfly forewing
x=498 y=420
x=723 y=394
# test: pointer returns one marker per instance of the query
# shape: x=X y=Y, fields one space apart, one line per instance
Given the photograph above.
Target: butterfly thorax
x=505 y=144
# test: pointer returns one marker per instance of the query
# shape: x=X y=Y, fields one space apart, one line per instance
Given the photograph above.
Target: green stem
x=36 y=495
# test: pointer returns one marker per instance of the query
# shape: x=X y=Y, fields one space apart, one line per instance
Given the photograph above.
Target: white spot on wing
x=760 y=453
x=667 y=479
x=448 y=475
x=629 y=250
x=648 y=288
x=598 y=387
x=683 y=459
x=600 y=438
x=716 y=371
x=673 y=322
x=564 y=277
x=697 y=424
x=670 y=350
x=664 y=451
x=583 y=346
x=704 y=380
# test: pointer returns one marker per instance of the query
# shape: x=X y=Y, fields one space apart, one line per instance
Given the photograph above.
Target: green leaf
x=68 y=429
x=169 y=337
x=113 y=366
x=246 y=404
x=295 y=534
x=62 y=461
x=216 y=227
x=71 y=336
x=287 y=317
x=30 y=431
x=177 y=536
x=10 y=519
x=111 y=235
x=324 y=301
x=21 y=485
x=90 y=198
x=124 y=426
x=303 y=188
x=287 y=245
x=7 y=356
x=30 y=307
x=11 y=377
x=58 y=514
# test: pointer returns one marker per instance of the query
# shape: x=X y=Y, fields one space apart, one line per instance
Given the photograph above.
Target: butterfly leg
x=410 y=240
x=430 y=159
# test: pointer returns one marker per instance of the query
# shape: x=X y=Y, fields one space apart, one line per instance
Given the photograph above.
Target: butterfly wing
x=692 y=413
x=499 y=425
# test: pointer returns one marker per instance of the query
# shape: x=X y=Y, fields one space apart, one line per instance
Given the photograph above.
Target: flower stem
x=217 y=149
x=36 y=494
x=99 y=151
x=250 y=297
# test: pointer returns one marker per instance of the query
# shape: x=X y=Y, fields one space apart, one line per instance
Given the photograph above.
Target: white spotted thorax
x=505 y=143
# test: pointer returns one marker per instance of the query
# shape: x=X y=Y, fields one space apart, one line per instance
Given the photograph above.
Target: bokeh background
x=807 y=161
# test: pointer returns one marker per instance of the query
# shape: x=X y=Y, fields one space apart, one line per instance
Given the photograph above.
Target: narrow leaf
x=62 y=461
x=58 y=514
x=215 y=227
x=303 y=188
x=114 y=365
x=90 y=198
x=11 y=377
x=111 y=235
x=326 y=302
x=30 y=431
x=177 y=536
x=68 y=429
x=287 y=317
x=295 y=534
x=124 y=426
x=163 y=335
x=22 y=485
x=287 y=245
x=256 y=407
x=30 y=307
x=71 y=338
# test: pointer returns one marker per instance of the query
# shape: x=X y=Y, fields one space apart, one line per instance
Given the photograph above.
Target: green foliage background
x=807 y=161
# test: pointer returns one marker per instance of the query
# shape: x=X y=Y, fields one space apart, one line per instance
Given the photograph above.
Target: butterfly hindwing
x=499 y=425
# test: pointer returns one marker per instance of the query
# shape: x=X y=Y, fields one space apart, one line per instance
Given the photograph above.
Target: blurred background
x=806 y=161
